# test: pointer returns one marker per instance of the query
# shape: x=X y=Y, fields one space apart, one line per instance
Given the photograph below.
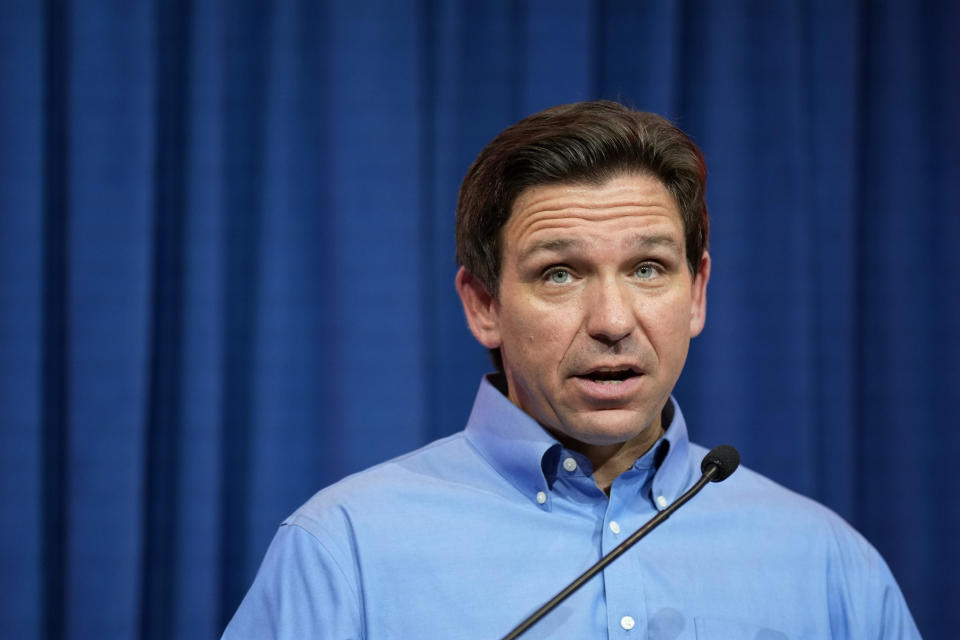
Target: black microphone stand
x=709 y=472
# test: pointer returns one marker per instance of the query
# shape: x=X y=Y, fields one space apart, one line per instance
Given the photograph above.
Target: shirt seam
x=326 y=551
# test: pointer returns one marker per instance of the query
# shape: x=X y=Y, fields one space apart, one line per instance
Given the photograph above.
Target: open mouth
x=610 y=376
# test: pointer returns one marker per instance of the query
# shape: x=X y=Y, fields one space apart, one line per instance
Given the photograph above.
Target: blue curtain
x=226 y=267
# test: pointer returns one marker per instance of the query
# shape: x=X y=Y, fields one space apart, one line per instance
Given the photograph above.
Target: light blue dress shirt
x=465 y=537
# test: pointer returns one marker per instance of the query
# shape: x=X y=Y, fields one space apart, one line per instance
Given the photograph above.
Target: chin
x=609 y=429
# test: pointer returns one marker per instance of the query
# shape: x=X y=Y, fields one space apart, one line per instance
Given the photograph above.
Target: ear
x=480 y=308
x=698 y=296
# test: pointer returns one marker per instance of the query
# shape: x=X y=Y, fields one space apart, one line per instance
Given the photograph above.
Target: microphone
x=720 y=462
x=716 y=466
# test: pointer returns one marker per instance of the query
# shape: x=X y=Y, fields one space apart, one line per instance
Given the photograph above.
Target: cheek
x=670 y=326
x=536 y=321
x=539 y=335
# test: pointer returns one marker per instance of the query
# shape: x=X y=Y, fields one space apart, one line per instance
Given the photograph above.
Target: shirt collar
x=675 y=471
x=510 y=440
x=520 y=449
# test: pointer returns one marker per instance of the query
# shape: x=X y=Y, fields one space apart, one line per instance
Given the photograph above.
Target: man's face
x=596 y=306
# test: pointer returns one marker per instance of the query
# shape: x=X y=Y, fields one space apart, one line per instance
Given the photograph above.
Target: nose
x=610 y=316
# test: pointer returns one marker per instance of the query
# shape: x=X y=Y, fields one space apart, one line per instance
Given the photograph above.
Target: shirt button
x=627 y=622
x=570 y=464
x=661 y=501
x=541 y=497
x=614 y=526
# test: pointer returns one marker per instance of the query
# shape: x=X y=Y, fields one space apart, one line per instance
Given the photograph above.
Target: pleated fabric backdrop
x=226 y=267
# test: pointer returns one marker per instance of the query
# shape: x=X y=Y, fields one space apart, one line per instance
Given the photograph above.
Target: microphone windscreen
x=725 y=458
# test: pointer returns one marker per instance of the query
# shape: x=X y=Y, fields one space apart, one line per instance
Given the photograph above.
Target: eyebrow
x=555 y=245
x=558 y=245
x=648 y=242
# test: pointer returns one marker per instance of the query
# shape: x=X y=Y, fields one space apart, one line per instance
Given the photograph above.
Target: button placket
x=623 y=579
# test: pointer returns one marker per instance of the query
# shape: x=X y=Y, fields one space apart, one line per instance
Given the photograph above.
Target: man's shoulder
x=763 y=504
x=389 y=489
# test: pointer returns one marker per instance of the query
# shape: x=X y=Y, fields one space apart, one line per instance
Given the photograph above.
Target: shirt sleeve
x=300 y=591
x=871 y=604
x=898 y=624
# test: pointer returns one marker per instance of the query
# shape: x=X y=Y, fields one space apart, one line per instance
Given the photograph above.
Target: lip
x=611 y=367
x=608 y=392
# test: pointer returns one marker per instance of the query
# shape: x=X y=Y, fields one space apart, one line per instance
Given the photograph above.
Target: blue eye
x=646 y=272
x=560 y=276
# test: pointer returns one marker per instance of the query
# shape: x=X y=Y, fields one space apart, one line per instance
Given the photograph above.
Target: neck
x=610 y=460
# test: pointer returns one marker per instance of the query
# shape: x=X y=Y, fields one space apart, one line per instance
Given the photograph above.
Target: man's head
x=580 y=143
x=575 y=231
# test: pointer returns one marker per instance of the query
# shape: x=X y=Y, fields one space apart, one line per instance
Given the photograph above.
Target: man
x=582 y=239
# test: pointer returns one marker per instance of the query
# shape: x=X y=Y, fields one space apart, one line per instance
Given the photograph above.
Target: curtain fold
x=227 y=261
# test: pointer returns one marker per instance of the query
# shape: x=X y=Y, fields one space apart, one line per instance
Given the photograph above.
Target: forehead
x=624 y=207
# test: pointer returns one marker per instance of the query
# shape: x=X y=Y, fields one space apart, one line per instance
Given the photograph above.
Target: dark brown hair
x=584 y=142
